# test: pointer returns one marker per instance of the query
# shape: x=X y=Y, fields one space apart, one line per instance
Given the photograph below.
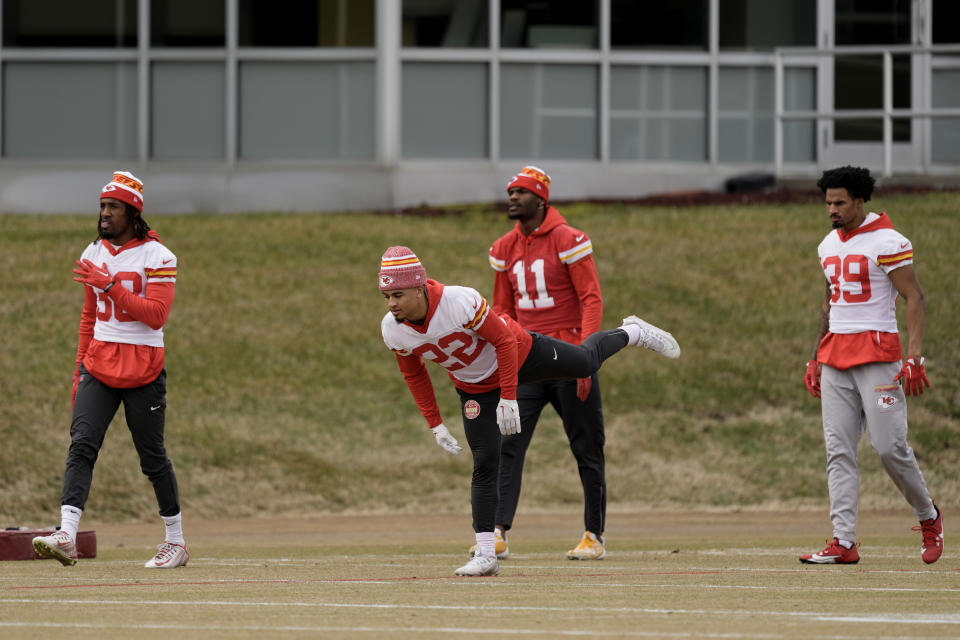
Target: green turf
x=283 y=399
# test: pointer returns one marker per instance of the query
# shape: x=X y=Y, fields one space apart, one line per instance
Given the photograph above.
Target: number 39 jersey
x=133 y=266
x=856 y=265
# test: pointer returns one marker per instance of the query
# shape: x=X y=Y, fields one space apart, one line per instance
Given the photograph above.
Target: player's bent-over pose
x=129 y=279
x=547 y=281
x=857 y=362
x=485 y=355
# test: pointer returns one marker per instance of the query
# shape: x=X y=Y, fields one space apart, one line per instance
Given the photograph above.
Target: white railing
x=800 y=58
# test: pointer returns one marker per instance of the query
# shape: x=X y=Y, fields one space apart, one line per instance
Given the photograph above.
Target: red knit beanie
x=125 y=187
x=401 y=269
x=532 y=179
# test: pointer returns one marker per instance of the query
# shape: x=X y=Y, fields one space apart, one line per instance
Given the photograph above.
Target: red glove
x=812 y=378
x=913 y=374
x=583 y=388
x=89 y=273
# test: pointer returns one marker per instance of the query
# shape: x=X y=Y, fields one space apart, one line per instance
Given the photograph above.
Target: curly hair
x=856 y=180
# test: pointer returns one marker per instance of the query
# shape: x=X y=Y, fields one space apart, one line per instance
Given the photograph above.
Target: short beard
x=836 y=225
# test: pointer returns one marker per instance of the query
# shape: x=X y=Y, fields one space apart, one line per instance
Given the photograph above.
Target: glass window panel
x=945 y=132
x=452 y=127
x=307 y=23
x=69 y=23
x=445 y=23
x=188 y=23
x=872 y=22
x=800 y=94
x=946 y=22
x=535 y=23
x=858 y=84
x=548 y=110
x=762 y=24
x=658 y=113
x=678 y=24
x=187 y=128
x=745 y=118
x=70 y=110
x=307 y=110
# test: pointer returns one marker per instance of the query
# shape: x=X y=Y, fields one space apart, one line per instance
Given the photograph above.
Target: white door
x=855 y=82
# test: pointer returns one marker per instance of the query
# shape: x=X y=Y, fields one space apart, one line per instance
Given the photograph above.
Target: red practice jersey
x=548 y=281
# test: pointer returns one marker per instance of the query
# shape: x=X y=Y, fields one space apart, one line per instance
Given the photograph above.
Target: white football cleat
x=59 y=546
x=169 y=555
x=480 y=566
x=654 y=338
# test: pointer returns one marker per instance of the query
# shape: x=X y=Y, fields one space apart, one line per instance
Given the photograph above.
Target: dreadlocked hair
x=856 y=180
x=140 y=226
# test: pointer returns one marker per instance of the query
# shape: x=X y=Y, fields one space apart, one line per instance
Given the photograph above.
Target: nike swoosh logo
x=166 y=261
x=475 y=304
x=554 y=353
x=902 y=246
x=155 y=408
x=579 y=238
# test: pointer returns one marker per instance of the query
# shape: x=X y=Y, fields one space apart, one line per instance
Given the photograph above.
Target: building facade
x=323 y=105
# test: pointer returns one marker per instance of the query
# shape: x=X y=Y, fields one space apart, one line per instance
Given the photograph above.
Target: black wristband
x=107 y=288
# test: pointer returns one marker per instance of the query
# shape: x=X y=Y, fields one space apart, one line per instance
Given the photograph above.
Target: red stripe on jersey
x=479 y=316
x=895 y=258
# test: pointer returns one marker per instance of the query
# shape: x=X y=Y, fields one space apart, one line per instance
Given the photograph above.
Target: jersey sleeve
x=153 y=308
x=895 y=252
x=492 y=328
x=421 y=387
x=575 y=251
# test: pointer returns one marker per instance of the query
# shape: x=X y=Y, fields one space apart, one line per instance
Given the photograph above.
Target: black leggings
x=549 y=359
x=93 y=410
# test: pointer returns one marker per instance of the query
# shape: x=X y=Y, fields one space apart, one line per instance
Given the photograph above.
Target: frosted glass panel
x=444 y=110
x=307 y=110
x=745 y=122
x=70 y=110
x=658 y=113
x=548 y=111
x=946 y=131
x=187 y=110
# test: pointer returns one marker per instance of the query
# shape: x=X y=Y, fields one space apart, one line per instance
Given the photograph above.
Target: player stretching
x=129 y=278
x=485 y=354
x=857 y=361
x=547 y=281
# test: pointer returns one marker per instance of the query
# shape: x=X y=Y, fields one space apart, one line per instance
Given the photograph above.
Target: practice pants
x=549 y=359
x=583 y=424
x=93 y=409
x=865 y=397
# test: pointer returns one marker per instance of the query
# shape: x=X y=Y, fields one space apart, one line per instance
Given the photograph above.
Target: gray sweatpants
x=858 y=398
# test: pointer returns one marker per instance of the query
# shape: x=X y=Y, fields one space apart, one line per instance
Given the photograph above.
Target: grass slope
x=283 y=399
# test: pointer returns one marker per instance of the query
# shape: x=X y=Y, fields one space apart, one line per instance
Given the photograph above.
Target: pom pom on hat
x=400 y=268
x=125 y=187
x=532 y=179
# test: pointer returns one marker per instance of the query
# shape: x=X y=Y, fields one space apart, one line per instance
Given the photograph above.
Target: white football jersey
x=856 y=266
x=133 y=268
x=447 y=337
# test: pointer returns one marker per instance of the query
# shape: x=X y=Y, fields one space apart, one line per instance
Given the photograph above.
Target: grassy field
x=667 y=575
x=284 y=401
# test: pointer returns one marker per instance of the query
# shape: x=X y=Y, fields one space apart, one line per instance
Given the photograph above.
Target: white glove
x=508 y=417
x=445 y=440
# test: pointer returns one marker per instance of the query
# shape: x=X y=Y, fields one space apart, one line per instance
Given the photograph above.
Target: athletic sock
x=70 y=520
x=633 y=333
x=485 y=544
x=846 y=544
x=174 y=529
